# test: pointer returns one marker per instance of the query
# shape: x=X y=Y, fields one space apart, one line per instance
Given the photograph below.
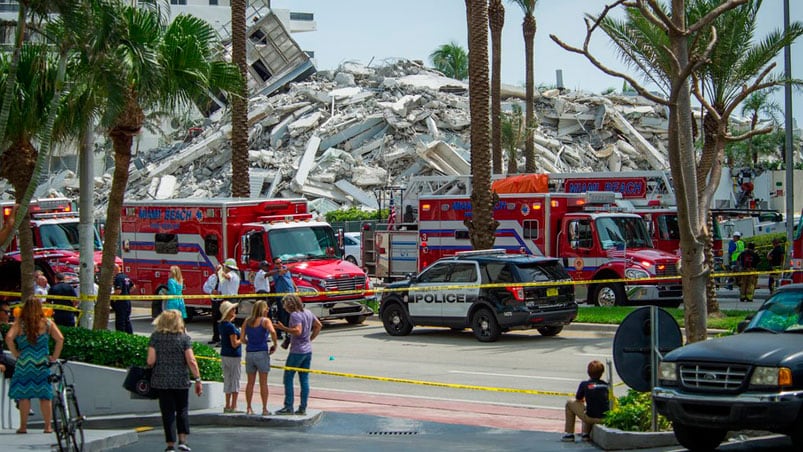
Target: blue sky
x=370 y=31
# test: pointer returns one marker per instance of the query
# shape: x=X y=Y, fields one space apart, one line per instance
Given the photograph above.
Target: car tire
x=396 y=320
x=485 y=326
x=610 y=294
x=550 y=331
x=355 y=319
x=698 y=439
x=351 y=259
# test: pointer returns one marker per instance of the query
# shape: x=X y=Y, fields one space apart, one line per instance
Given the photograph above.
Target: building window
x=262 y=70
x=213 y=2
x=178 y=2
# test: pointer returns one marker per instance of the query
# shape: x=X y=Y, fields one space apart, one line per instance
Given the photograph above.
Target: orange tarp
x=524 y=183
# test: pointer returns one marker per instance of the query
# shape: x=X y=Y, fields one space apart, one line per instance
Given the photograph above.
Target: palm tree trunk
x=529 y=29
x=707 y=160
x=481 y=225
x=496 y=16
x=122 y=136
x=240 y=186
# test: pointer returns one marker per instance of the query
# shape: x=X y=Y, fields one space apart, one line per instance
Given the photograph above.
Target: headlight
x=667 y=371
x=636 y=273
x=306 y=290
x=771 y=376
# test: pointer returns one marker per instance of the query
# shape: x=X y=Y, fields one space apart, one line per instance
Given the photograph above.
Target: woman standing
x=170 y=354
x=28 y=340
x=175 y=286
x=231 y=352
x=259 y=332
x=304 y=328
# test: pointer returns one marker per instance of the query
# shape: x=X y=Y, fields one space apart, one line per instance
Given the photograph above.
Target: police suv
x=488 y=290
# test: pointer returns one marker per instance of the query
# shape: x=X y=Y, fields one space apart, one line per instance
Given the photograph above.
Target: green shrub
x=122 y=350
x=633 y=413
x=355 y=214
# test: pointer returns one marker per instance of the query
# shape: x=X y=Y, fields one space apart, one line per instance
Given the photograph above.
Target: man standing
x=60 y=316
x=735 y=248
x=123 y=285
x=775 y=257
x=748 y=261
x=283 y=284
x=225 y=281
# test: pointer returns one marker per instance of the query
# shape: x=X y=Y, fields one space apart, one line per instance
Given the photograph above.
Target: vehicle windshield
x=294 y=244
x=64 y=236
x=622 y=232
x=782 y=312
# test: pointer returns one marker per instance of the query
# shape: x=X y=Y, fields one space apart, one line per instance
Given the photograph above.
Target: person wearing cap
x=262 y=278
x=735 y=248
x=231 y=352
x=63 y=317
x=225 y=281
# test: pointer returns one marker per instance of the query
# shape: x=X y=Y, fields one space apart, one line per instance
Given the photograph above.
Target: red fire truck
x=594 y=240
x=54 y=224
x=199 y=234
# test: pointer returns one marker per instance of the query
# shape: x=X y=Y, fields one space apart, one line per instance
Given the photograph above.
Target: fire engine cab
x=55 y=227
x=199 y=234
x=594 y=241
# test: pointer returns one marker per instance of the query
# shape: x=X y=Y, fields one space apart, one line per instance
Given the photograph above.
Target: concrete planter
x=613 y=439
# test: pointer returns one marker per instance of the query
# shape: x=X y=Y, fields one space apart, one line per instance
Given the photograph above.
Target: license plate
x=552 y=292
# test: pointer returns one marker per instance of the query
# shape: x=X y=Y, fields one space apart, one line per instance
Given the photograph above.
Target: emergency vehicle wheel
x=485 y=326
x=395 y=320
x=549 y=331
x=610 y=295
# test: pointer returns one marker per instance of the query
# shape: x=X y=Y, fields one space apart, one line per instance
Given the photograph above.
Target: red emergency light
x=426 y=207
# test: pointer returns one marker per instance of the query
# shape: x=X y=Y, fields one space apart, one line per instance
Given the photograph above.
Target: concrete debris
x=343 y=135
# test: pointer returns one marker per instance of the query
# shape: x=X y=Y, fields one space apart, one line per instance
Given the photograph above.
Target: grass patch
x=615 y=315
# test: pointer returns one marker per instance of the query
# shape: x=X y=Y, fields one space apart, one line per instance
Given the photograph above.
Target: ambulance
x=595 y=241
x=198 y=235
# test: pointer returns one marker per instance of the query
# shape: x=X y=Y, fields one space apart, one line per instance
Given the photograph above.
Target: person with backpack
x=748 y=260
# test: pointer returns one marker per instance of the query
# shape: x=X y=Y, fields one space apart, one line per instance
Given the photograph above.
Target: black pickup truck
x=751 y=380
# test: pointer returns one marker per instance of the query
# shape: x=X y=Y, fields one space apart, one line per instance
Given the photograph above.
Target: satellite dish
x=631 y=346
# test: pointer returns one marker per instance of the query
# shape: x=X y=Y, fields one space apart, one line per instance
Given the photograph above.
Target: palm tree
x=155 y=65
x=452 y=60
x=741 y=66
x=481 y=225
x=240 y=186
x=759 y=103
x=528 y=29
x=496 y=16
x=28 y=115
x=512 y=135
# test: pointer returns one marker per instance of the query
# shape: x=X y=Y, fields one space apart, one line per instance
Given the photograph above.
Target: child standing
x=590 y=403
x=230 y=355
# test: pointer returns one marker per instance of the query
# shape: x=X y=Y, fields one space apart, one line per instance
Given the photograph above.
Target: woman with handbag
x=170 y=354
x=28 y=341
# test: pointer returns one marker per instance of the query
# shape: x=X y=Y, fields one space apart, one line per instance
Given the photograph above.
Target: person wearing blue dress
x=175 y=286
x=28 y=341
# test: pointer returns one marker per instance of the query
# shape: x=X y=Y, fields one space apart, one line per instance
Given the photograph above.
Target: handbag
x=138 y=382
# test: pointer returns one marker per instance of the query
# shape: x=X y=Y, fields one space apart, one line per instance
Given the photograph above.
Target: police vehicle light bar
x=480 y=252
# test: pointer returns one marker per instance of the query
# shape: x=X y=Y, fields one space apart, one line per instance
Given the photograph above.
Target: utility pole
x=789 y=155
x=86 y=228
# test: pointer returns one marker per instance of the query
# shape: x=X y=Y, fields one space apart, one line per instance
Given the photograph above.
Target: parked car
x=453 y=292
x=352 y=245
x=751 y=380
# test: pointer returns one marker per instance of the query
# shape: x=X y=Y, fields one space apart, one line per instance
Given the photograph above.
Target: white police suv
x=488 y=290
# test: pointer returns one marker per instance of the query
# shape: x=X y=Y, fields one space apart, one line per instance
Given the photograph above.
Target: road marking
x=532 y=377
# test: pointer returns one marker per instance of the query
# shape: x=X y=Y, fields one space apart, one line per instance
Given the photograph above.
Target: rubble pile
x=342 y=135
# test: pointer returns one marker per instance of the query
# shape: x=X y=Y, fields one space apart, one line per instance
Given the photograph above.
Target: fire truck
x=55 y=226
x=594 y=240
x=199 y=234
